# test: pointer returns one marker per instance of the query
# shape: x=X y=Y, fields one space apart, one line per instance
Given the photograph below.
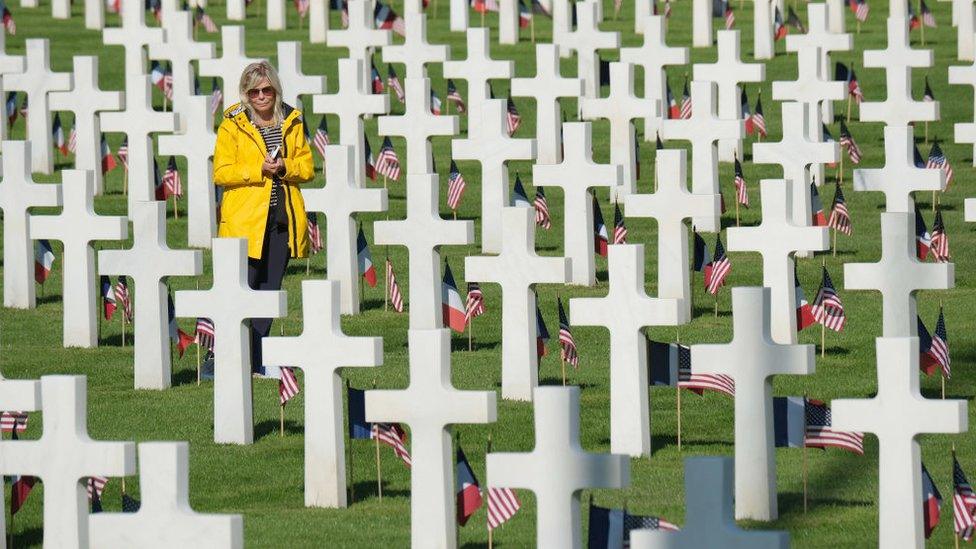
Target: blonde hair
x=252 y=75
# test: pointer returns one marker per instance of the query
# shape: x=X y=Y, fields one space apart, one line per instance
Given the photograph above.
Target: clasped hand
x=271 y=166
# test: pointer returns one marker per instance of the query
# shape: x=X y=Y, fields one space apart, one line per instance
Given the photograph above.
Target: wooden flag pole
x=123 y=327
x=955 y=535
x=823 y=327
x=677 y=393
x=737 y=209
x=716 y=304
x=834 y=245
x=532 y=36
x=386 y=284
x=198 y=363
x=281 y=418
x=849 y=98
x=483 y=10
x=942 y=373
x=487 y=491
x=379 y=470
x=176 y=208
x=922 y=36
x=470 y=333
x=352 y=478
x=123 y=485
x=840 y=169
x=804 y=474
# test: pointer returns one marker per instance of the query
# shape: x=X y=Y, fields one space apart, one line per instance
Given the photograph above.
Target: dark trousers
x=266 y=274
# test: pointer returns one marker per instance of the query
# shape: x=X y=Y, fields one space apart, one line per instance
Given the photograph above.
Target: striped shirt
x=272 y=138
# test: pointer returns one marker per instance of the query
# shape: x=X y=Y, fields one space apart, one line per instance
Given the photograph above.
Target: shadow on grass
x=48 y=298
x=298 y=267
x=710 y=311
x=558 y=380
x=272 y=427
x=836 y=350
x=366 y=489
x=936 y=393
x=792 y=502
x=187 y=377
x=662 y=441
x=377 y=305
x=115 y=340
x=31 y=537
x=473 y=544
x=461 y=344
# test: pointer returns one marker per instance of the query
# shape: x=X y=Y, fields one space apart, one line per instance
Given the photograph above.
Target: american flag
x=13 y=422
x=848 y=75
x=204 y=333
x=963 y=502
x=541 y=206
x=512 y=117
x=474 y=305
x=321 y=138
x=95 y=486
x=619 y=229
x=435 y=103
x=741 y=195
x=758 y=119
x=314 y=234
x=167 y=84
x=385 y=17
x=200 y=17
x=216 y=96
x=701 y=382
x=847 y=141
x=819 y=433
x=940 y=240
x=860 y=9
x=927 y=18
x=567 y=345
x=287 y=386
x=718 y=269
x=393 y=81
x=940 y=346
x=840 y=217
x=302 y=7
x=938 y=161
x=172 y=184
x=644 y=522
x=393 y=435
x=455 y=186
x=11 y=108
x=72 y=141
x=387 y=163
x=729 y=16
x=392 y=289
x=122 y=295
x=502 y=505
x=827 y=307
x=685 y=113
x=455 y=97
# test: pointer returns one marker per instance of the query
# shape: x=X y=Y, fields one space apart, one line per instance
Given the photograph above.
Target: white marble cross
x=236 y=10
x=709 y=506
x=546 y=87
x=517 y=268
x=320 y=351
x=620 y=107
x=77 y=227
x=294 y=83
x=340 y=200
x=62 y=457
x=134 y=35
x=752 y=358
x=318 y=21
x=670 y=206
x=361 y=36
x=776 y=239
x=701 y=22
x=478 y=68
x=488 y=142
x=139 y=121
x=430 y=406
x=165 y=518
x=963 y=19
x=576 y=175
x=423 y=232
x=23 y=395
x=897 y=415
x=965 y=132
x=836 y=11
x=417 y=125
x=796 y=152
x=821 y=34
x=625 y=311
x=763 y=46
x=181 y=50
x=561 y=27
x=196 y=144
x=229 y=66
x=899 y=107
x=150 y=262
x=653 y=55
x=350 y=103
x=85 y=100
x=37 y=81
x=558 y=468
x=587 y=39
x=94 y=14
x=899 y=177
x=703 y=129
x=727 y=72
x=228 y=304
x=275 y=19
x=416 y=53
x=18 y=194
x=508 y=21
x=898 y=275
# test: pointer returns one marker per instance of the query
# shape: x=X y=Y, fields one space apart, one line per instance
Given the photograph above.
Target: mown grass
x=264 y=481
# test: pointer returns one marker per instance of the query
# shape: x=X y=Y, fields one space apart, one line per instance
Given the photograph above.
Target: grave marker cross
x=653 y=55
x=898 y=60
x=360 y=36
x=134 y=35
x=478 y=69
x=818 y=35
x=587 y=39
x=181 y=50
x=965 y=132
x=417 y=125
x=899 y=177
x=416 y=53
x=294 y=82
x=231 y=63
x=546 y=87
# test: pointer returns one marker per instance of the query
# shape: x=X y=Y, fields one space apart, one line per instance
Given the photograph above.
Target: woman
x=260 y=159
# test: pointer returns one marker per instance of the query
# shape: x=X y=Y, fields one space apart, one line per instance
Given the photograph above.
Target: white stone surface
x=23 y=395
x=430 y=406
x=703 y=129
x=898 y=275
x=517 y=268
x=228 y=304
x=229 y=66
x=897 y=415
x=294 y=82
x=586 y=40
x=625 y=311
x=821 y=34
x=546 y=87
x=38 y=81
x=899 y=177
x=575 y=176
x=361 y=36
x=962 y=17
x=508 y=21
x=459 y=15
x=236 y=10
x=181 y=50
x=8 y=64
x=965 y=132
x=776 y=239
x=134 y=35
x=18 y=194
x=275 y=15
x=669 y=206
x=836 y=11
x=94 y=14
x=763 y=46
x=63 y=456
x=709 y=504
x=653 y=55
x=77 y=227
x=558 y=468
x=165 y=518
x=423 y=232
x=320 y=351
x=728 y=71
x=415 y=53
x=478 y=69
x=150 y=262
x=85 y=100
x=488 y=143
x=899 y=107
x=340 y=199
x=701 y=23
x=417 y=125
x=752 y=358
x=318 y=21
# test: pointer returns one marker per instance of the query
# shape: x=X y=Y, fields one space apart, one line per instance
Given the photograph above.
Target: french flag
x=43 y=260
x=468 y=491
x=804 y=313
x=108 y=297
x=789 y=421
x=451 y=302
x=366 y=267
x=931 y=502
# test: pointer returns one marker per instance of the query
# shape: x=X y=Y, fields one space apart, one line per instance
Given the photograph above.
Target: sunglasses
x=267 y=91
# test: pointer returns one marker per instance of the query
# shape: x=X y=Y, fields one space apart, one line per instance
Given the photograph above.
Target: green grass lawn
x=264 y=481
